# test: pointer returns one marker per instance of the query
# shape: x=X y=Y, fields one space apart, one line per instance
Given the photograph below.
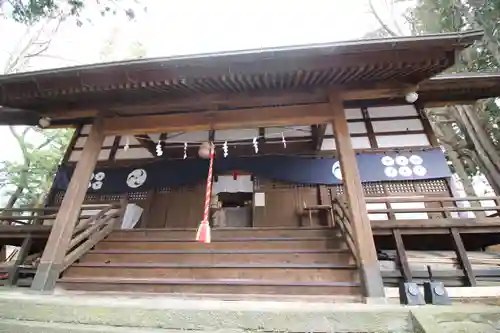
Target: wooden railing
x=28 y=215
x=89 y=231
x=36 y=216
x=435 y=207
x=92 y=230
x=341 y=220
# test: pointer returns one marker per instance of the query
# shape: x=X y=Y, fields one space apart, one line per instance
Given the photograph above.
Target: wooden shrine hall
x=327 y=178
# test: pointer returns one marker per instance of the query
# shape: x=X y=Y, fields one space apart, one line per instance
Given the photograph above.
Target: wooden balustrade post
x=21 y=257
x=51 y=262
x=404 y=265
x=121 y=214
x=369 y=267
x=462 y=257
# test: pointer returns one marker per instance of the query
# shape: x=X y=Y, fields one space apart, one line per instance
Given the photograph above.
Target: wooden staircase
x=259 y=261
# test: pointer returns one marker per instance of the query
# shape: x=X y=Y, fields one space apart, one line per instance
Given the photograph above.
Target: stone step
x=19 y=326
x=40 y=313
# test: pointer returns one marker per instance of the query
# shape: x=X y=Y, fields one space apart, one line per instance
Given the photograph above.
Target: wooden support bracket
x=402 y=257
x=462 y=257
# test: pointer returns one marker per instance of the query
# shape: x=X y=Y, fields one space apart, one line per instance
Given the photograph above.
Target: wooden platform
x=14 y=235
x=306 y=261
x=431 y=234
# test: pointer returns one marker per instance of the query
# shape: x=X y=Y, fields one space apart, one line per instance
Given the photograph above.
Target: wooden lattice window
x=433 y=186
x=137 y=196
x=400 y=187
x=374 y=189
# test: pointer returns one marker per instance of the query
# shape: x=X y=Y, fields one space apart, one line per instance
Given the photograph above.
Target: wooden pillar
x=369 y=268
x=426 y=124
x=62 y=230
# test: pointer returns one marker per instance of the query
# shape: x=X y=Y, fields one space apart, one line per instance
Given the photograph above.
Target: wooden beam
x=369 y=128
x=21 y=257
x=440 y=104
x=114 y=148
x=462 y=257
x=429 y=131
x=402 y=257
x=10 y=116
x=255 y=100
x=64 y=114
x=232 y=101
x=262 y=134
x=369 y=268
x=72 y=143
x=319 y=132
x=298 y=148
x=52 y=259
x=228 y=119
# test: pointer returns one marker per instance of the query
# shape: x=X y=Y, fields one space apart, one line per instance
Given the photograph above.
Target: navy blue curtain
x=427 y=164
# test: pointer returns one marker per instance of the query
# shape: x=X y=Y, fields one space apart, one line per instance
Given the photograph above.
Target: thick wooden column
x=369 y=269
x=66 y=219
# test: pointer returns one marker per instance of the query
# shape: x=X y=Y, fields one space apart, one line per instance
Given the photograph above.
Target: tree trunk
x=482 y=136
x=483 y=159
x=460 y=171
x=473 y=156
x=464 y=178
x=14 y=197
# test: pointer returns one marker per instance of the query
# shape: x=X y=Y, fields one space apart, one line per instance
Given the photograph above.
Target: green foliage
x=30 y=178
x=31 y=11
x=441 y=16
x=436 y=16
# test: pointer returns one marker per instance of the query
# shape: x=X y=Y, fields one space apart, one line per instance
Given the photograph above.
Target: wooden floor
x=307 y=261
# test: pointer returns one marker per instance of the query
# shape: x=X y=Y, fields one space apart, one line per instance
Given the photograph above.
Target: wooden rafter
x=229 y=119
x=115 y=147
x=318 y=132
x=162 y=138
x=146 y=142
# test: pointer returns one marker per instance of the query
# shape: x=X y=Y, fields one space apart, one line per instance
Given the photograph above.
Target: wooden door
x=156 y=218
x=185 y=207
x=280 y=209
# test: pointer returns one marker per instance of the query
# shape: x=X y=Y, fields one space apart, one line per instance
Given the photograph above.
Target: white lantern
x=204 y=150
x=411 y=97
x=44 y=122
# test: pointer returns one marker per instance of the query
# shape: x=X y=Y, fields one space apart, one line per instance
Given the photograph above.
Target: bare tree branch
x=380 y=21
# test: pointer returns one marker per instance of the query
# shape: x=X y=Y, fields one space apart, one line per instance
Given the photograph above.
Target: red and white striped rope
x=208 y=193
